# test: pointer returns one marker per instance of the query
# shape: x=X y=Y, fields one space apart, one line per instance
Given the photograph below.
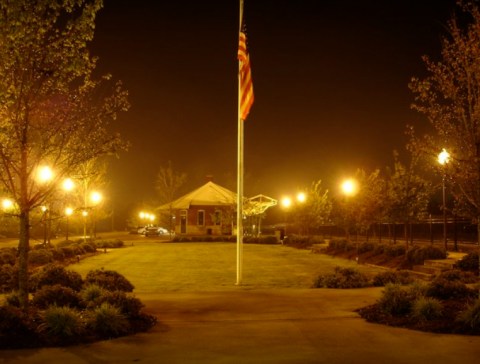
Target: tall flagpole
x=240 y=172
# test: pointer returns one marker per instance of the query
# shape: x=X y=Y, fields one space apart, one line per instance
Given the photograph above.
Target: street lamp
x=301 y=197
x=443 y=159
x=7 y=204
x=68 y=184
x=349 y=187
x=68 y=212
x=44 y=174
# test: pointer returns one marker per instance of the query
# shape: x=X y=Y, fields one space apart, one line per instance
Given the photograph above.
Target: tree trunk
x=23 y=247
x=478 y=242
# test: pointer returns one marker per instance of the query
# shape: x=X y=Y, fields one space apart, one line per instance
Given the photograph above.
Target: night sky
x=330 y=79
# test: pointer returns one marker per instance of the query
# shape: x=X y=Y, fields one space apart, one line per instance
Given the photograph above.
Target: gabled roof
x=210 y=194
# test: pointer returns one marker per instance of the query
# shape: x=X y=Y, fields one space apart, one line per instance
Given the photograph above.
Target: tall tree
x=407 y=195
x=315 y=211
x=450 y=98
x=53 y=111
x=168 y=184
x=371 y=201
x=363 y=206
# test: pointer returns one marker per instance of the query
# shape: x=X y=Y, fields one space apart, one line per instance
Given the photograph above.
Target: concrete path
x=264 y=326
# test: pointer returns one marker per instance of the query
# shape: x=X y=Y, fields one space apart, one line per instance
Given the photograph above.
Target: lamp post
x=95 y=197
x=44 y=175
x=44 y=218
x=286 y=203
x=443 y=159
x=349 y=187
x=85 y=215
x=68 y=212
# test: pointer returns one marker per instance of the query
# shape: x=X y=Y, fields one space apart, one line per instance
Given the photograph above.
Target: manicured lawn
x=154 y=267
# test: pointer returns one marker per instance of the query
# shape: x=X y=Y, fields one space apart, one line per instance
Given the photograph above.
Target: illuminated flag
x=246 y=85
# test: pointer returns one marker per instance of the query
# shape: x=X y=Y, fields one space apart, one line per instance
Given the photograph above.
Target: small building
x=208 y=210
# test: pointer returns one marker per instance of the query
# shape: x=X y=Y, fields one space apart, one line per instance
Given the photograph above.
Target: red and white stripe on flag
x=246 y=85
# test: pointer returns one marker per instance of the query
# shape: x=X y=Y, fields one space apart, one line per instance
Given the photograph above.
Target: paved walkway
x=264 y=326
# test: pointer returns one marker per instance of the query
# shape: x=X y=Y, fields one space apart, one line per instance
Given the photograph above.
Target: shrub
x=417 y=254
x=342 y=278
x=426 y=309
x=107 y=321
x=92 y=294
x=269 y=239
x=64 y=243
x=59 y=324
x=56 y=295
x=88 y=248
x=394 y=250
x=380 y=249
x=7 y=256
x=458 y=275
x=109 y=280
x=8 y=277
x=77 y=249
x=396 y=277
x=56 y=274
x=337 y=244
x=470 y=318
x=58 y=254
x=129 y=306
x=395 y=300
x=445 y=289
x=109 y=244
x=15 y=331
x=365 y=247
x=417 y=290
x=40 y=257
x=181 y=239
x=469 y=263
x=12 y=299
x=67 y=251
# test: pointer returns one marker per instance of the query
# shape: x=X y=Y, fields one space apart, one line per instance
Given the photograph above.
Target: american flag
x=246 y=85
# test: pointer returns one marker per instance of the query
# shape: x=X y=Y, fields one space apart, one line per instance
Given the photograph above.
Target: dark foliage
x=109 y=280
x=56 y=274
x=446 y=289
x=15 y=328
x=109 y=244
x=8 y=256
x=8 y=278
x=396 y=300
x=469 y=263
x=365 y=247
x=107 y=321
x=40 y=257
x=129 y=306
x=394 y=250
x=56 y=295
x=396 y=277
x=458 y=275
x=342 y=278
x=418 y=254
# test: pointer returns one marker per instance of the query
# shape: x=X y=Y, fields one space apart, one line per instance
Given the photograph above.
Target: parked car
x=162 y=231
x=150 y=231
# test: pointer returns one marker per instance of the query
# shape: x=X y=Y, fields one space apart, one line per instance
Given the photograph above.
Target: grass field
x=154 y=267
